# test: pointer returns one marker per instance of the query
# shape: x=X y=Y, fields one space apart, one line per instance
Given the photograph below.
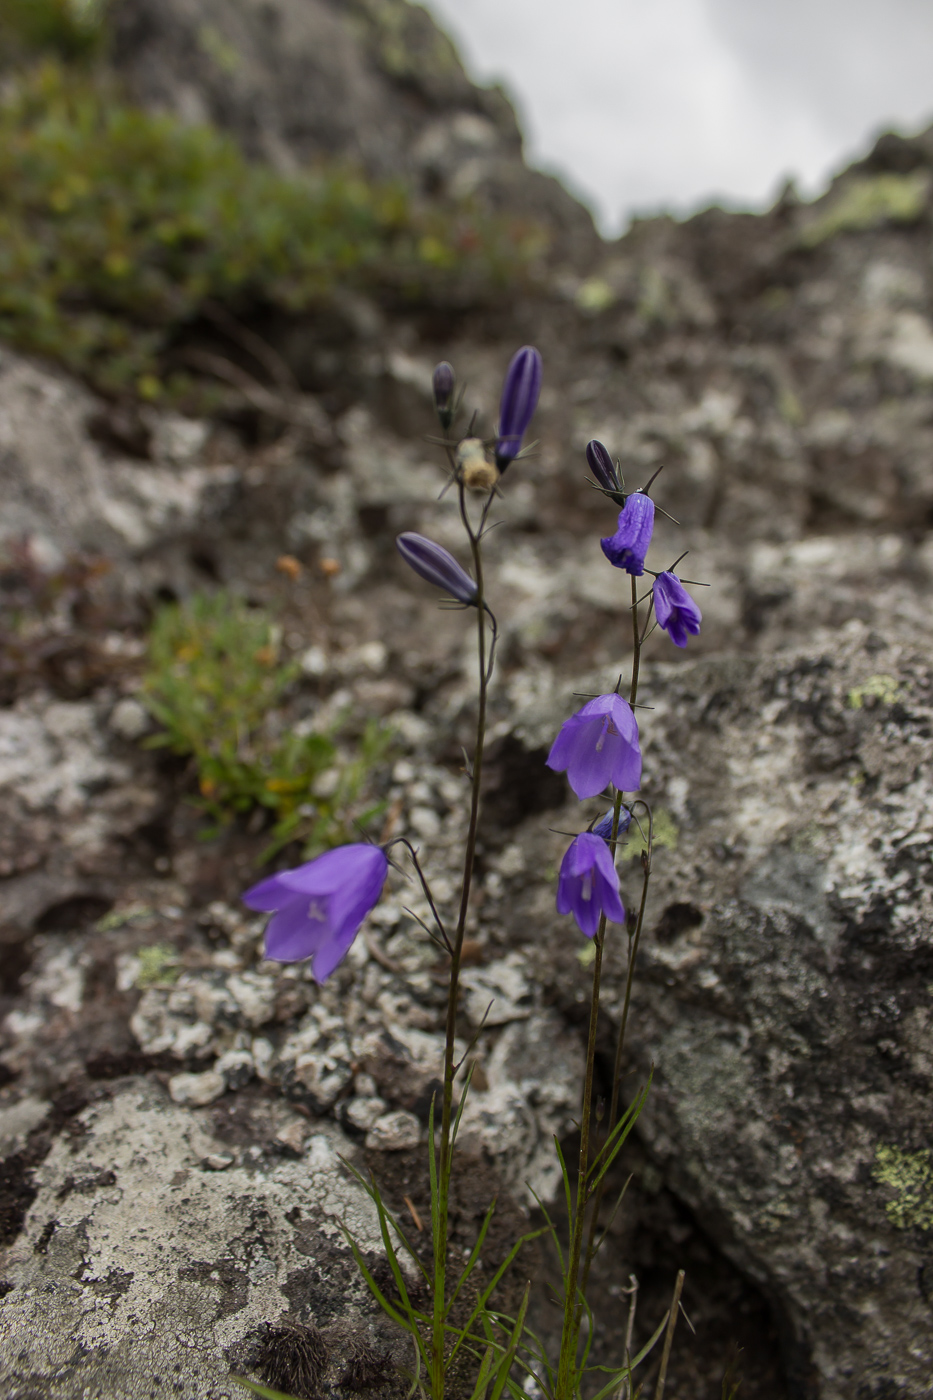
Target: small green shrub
x=117 y=226
x=868 y=201
x=214 y=682
x=71 y=28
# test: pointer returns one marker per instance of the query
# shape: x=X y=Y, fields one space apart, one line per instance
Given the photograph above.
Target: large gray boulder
x=156 y=1261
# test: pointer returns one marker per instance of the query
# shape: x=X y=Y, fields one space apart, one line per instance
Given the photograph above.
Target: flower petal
x=270 y=894
x=292 y=935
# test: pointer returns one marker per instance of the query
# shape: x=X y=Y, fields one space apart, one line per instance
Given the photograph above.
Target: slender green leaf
x=474 y=1255
x=505 y=1365
x=262 y=1390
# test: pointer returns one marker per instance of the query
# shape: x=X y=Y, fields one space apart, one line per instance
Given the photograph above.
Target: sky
x=644 y=105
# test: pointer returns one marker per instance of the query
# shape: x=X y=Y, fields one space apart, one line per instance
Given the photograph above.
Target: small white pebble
x=364 y=1113
x=196 y=1090
x=129 y=719
x=393 y=1132
x=218 y=1161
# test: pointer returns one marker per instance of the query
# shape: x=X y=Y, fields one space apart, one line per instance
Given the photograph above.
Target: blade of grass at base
x=262 y=1390
x=613 y=1144
x=480 y=1305
x=507 y=1362
x=550 y=1228
x=482 y=1380
x=471 y=1262
x=619 y=1376
x=374 y=1195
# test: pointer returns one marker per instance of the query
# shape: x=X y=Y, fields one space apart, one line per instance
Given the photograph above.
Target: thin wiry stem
x=456 y=953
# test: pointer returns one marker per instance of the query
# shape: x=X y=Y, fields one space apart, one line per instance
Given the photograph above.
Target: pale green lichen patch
x=866 y=202
x=884 y=689
x=910 y=1175
x=158 y=966
x=665 y=833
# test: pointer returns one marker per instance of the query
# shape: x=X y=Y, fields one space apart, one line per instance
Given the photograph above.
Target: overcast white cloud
x=671 y=103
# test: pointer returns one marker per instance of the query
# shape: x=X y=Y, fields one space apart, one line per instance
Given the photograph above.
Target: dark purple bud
x=603 y=468
x=519 y=401
x=677 y=613
x=443 y=382
x=626 y=549
x=603 y=827
x=433 y=563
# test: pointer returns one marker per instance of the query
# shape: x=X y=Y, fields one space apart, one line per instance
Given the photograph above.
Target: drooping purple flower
x=605 y=471
x=677 y=613
x=443 y=381
x=519 y=401
x=603 y=827
x=433 y=563
x=599 y=745
x=626 y=549
x=588 y=885
x=317 y=908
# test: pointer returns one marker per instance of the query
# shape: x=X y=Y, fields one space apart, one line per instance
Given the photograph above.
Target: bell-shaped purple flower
x=519 y=401
x=588 y=885
x=317 y=908
x=605 y=471
x=626 y=549
x=599 y=745
x=676 y=611
x=433 y=563
x=603 y=827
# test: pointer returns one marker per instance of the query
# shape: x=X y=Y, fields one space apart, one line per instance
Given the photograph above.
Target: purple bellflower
x=599 y=745
x=317 y=908
x=603 y=827
x=626 y=549
x=433 y=563
x=677 y=613
x=588 y=885
x=519 y=401
x=605 y=471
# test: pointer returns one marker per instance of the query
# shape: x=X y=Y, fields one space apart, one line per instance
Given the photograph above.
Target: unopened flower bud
x=475 y=470
x=434 y=564
x=604 y=469
x=443 y=383
x=519 y=401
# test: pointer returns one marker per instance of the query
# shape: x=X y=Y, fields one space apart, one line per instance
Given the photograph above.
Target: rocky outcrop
x=373 y=83
x=158 y=1262
x=779 y=368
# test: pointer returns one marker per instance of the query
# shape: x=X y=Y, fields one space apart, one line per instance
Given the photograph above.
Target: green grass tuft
x=117 y=227
x=214 y=683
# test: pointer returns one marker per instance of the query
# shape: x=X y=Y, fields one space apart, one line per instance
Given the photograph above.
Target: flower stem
x=575 y=1292
x=444 y=1169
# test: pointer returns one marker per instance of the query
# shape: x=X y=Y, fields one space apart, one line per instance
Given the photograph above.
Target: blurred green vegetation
x=117 y=227
x=71 y=28
x=215 y=681
x=868 y=201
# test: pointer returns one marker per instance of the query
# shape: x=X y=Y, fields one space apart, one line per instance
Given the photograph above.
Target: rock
x=393 y=1132
x=196 y=1090
x=60 y=487
x=237 y=1068
x=129 y=719
x=783 y=990
x=362 y=1113
x=372 y=84
x=149 y=1261
x=497 y=993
